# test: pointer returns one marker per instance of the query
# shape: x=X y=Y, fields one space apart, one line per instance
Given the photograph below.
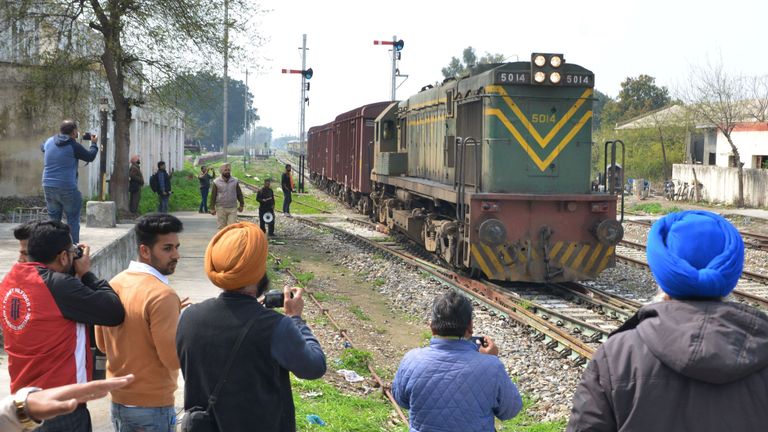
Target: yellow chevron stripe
x=580 y=257
x=531 y=129
x=555 y=250
x=492 y=257
x=509 y=262
x=568 y=252
x=481 y=261
x=523 y=143
x=576 y=128
x=593 y=258
x=604 y=263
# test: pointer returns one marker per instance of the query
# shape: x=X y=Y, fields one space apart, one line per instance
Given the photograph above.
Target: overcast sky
x=615 y=39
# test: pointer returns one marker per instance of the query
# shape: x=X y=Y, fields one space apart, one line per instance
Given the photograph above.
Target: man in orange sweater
x=144 y=344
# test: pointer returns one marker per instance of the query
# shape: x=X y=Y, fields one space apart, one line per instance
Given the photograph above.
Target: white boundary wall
x=721 y=185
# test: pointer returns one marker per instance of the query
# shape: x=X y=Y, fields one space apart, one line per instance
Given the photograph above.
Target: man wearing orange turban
x=256 y=392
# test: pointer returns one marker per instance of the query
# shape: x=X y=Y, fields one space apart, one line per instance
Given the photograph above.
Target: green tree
x=138 y=44
x=199 y=95
x=639 y=96
x=457 y=68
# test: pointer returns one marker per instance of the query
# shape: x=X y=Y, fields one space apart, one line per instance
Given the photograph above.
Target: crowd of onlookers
x=691 y=362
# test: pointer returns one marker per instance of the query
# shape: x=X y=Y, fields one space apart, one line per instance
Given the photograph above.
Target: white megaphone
x=268 y=217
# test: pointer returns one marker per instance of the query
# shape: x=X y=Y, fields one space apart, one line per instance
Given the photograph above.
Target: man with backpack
x=160 y=182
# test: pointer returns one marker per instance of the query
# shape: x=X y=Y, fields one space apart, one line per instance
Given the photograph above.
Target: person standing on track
x=286 y=183
x=266 y=199
x=227 y=193
x=692 y=362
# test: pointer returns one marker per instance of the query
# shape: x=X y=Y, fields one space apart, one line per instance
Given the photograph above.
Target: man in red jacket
x=50 y=347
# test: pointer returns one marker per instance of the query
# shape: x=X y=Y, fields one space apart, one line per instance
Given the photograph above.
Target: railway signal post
x=306 y=75
x=397 y=46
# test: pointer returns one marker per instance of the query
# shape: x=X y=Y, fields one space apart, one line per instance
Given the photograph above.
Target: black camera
x=80 y=251
x=87 y=136
x=274 y=299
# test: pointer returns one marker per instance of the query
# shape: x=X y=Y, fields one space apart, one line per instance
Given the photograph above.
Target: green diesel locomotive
x=491 y=172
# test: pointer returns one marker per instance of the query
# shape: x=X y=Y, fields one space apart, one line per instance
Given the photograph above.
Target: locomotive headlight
x=554 y=77
x=609 y=232
x=540 y=60
x=539 y=77
x=493 y=232
x=555 y=61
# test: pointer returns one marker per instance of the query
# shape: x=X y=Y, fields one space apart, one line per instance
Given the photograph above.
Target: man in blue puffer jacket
x=454 y=384
x=61 y=155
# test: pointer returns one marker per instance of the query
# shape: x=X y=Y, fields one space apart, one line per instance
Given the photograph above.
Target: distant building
x=28 y=115
x=705 y=144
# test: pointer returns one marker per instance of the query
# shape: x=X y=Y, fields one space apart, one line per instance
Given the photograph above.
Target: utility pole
x=245 y=118
x=397 y=46
x=226 y=76
x=302 y=143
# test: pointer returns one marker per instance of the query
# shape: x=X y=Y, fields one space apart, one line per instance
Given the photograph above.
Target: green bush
x=356 y=360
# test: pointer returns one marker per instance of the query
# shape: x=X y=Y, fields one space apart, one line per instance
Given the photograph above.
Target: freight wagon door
x=469 y=124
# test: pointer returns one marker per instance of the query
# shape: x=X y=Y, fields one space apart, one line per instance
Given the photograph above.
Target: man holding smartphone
x=256 y=389
x=457 y=383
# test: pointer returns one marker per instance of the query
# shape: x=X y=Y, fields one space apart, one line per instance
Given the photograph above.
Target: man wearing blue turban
x=694 y=362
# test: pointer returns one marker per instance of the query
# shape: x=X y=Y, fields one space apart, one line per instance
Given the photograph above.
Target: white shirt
x=139 y=267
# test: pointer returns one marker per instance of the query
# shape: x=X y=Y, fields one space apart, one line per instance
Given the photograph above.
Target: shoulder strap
x=235 y=349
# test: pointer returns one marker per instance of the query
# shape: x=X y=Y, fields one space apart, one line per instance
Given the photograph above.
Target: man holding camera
x=205 y=186
x=48 y=304
x=145 y=343
x=61 y=155
x=455 y=384
x=237 y=342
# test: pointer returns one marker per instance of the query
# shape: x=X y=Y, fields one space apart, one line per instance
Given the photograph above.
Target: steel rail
x=494 y=296
x=738 y=293
x=386 y=389
x=751 y=240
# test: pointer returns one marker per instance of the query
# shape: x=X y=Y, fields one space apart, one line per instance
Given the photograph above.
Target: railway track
x=751 y=240
x=751 y=288
x=571 y=319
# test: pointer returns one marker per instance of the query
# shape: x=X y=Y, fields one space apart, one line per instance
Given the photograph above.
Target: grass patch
x=379 y=282
x=356 y=360
x=525 y=423
x=304 y=278
x=321 y=296
x=654 y=208
x=339 y=411
x=359 y=313
x=185 y=196
x=378 y=256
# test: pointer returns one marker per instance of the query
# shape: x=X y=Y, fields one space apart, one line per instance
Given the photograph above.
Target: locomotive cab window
x=387 y=136
x=449 y=103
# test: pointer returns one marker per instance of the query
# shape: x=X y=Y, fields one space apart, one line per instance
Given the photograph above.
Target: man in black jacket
x=256 y=395
x=161 y=185
x=692 y=362
x=266 y=199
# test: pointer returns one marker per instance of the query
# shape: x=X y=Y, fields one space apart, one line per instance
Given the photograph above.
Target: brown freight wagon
x=340 y=153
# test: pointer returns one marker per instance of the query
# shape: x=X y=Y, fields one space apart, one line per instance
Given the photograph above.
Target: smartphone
x=478 y=340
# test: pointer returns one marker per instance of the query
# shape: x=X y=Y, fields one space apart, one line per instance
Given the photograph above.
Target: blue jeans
x=141 y=419
x=204 y=199
x=65 y=201
x=162 y=206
